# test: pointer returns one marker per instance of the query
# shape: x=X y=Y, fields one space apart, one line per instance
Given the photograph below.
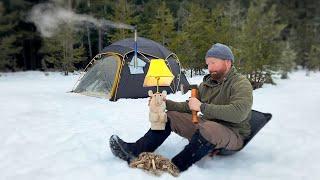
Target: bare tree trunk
x=69 y=4
x=89 y=42
x=65 y=56
x=255 y=76
x=163 y=40
x=70 y=59
x=69 y=45
x=105 y=7
x=88 y=33
x=100 y=39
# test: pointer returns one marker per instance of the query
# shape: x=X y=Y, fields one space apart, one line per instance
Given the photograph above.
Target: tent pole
x=135 y=64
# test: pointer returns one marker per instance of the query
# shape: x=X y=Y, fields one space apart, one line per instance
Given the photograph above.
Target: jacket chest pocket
x=211 y=97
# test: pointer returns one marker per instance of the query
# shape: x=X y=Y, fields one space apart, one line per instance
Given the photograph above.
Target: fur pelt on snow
x=155 y=164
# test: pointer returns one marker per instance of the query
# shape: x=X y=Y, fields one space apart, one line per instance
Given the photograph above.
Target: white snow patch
x=48 y=133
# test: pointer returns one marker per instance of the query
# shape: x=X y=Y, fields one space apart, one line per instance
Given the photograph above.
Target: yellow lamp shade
x=158 y=74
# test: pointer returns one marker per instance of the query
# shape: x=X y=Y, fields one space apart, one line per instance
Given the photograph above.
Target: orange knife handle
x=194 y=93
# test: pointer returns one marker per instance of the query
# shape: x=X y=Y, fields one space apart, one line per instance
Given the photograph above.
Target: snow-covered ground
x=48 y=133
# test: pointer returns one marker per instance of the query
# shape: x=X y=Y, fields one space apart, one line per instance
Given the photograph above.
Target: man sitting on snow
x=225 y=100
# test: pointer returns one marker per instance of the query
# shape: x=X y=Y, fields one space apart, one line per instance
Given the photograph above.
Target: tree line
x=266 y=36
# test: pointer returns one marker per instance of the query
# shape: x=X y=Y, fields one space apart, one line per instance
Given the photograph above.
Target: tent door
x=102 y=78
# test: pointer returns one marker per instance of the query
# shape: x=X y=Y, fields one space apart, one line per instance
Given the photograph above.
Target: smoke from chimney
x=48 y=17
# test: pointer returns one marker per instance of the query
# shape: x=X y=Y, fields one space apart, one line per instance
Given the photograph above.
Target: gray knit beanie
x=220 y=51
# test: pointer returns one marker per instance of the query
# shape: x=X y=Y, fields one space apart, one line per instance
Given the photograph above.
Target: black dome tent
x=114 y=74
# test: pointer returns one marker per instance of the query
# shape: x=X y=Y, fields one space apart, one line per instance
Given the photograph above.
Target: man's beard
x=218 y=75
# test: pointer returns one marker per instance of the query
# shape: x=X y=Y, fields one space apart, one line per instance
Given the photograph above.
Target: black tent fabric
x=122 y=82
x=257 y=121
x=145 y=46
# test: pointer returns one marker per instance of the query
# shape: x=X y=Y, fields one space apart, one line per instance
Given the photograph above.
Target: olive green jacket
x=227 y=102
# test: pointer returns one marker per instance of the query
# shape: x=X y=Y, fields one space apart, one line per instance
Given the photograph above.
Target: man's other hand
x=194 y=104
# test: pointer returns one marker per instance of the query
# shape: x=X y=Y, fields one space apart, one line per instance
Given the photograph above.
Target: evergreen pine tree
x=314 y=58
x=123 y=10
x=62 y=51
x=199 y=33
x=287 y=60
x=9 y=48
x=182 y=45
x=162 y=28
x=260 y=48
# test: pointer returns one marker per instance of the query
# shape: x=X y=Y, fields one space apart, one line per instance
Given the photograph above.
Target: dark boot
x=148 y=143
x=197 y=148
x=121 y=149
